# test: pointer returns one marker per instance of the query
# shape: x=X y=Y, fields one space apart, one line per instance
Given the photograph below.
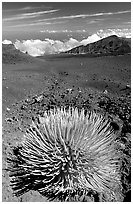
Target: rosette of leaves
x=68 y=155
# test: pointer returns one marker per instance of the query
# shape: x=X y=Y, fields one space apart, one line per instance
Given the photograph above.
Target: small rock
x=14 y=118
x=69 y=90
x=19 y=128
x=6 y=87
x=8 y=120
x=105 y=91
x=39 y=98
x=122 y=146
x=128 y=86
x=27 y=100
x=8 y=109
x=23 y=107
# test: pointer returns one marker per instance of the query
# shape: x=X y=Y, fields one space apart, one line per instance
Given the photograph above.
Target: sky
x=62 y=20
x=52 y=27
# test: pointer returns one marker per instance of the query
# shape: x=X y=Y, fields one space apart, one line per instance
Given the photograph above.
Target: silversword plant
x=68 y=156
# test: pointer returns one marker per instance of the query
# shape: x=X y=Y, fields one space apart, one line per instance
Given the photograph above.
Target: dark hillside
x=111 y=45
x=10 y=55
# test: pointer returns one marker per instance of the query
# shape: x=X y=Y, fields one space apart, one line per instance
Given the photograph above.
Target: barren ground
x=51 y=78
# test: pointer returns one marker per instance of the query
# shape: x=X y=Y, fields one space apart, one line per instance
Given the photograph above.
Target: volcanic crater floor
x=28 y=91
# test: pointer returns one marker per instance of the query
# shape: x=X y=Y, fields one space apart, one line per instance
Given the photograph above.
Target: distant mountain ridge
x=10 y=55
x=112 y=45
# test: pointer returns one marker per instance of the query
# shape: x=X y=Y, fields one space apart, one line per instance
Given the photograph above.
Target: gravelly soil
x=30 y=92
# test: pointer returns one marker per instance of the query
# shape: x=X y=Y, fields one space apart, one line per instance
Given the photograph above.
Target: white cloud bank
x=119 y=32
x=49 y=46
x=90 y=39
x=7 y=42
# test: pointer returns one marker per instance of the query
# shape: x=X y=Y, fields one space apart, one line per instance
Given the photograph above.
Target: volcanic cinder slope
x=32 y=85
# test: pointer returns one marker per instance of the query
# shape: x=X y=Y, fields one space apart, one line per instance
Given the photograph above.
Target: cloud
x=90 y=39
x=27 y=8
x=6 y=42
x=33 y=7
x=85 y=15
x=63 y=31
x=39 y=13
x=36 y=24
x=29 y=15
x=49 y=46
x=126 y=32
x=95 y=21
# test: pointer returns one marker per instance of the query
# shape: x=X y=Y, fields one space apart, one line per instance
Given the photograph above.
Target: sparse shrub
x=68 y=156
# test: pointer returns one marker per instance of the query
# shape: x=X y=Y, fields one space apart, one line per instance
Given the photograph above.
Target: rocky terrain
x=101 y=84
x=112 y=45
